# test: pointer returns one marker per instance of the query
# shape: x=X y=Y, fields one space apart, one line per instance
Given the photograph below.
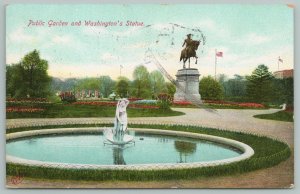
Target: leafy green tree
x=122 y=87
x=13 y=78
x=141 y=86
x=283 y=91
x=88 y=84
x=210 y=89
x=171 y=88
x=157 y=82
x=235 y=89
x=107 y=85
x=259 y=87
x=29 y=78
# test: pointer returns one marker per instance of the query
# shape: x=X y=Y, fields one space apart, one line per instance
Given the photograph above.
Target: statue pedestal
x=187 y=87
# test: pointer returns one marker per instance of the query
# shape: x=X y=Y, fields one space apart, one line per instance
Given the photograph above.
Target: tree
x=141 y=86
x=29 y=78
x=259 y=87
x=88 y=84
x=235 y=89
x=122 y=87
x=157 y=82
x=106 y=85
x=210 y=89
x=283 y=91
x=171 y=88
x=222 y=78
x=14 y=81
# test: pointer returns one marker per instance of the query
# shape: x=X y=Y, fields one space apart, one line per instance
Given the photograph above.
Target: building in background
x=284 y=73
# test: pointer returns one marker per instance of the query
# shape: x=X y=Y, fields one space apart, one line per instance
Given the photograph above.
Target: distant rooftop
x=284 y=73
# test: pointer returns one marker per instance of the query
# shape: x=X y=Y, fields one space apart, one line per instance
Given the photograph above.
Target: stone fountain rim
x=246 y=149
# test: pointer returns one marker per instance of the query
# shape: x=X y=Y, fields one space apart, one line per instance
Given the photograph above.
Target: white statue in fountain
x=118 y=135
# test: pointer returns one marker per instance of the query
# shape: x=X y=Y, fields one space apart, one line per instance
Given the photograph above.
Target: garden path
x=229 y=119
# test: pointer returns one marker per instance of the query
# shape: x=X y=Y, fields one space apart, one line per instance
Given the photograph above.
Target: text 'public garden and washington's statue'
x=118 y=135
x=190 y=49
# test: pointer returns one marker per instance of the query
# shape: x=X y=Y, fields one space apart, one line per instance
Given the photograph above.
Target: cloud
x=95 y=31
x=253 y=39
x=20 y=36
x=207 y=24
x=137 y=45
x=12 y=58
x=61 y=39
x=108 y=57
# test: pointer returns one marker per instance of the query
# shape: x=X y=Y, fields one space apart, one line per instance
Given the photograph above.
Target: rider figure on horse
x=188 y=42
x=189 y=50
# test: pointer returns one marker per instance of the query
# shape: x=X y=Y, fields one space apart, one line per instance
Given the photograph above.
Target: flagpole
x=278 y=63
x=215 y=64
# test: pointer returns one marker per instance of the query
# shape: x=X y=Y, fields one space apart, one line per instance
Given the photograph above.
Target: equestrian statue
x=190 y=49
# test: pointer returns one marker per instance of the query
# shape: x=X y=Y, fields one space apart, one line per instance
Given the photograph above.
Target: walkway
x=229 y=119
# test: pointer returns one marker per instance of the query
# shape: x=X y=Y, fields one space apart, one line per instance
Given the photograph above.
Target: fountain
x=117 y=135
x=156 y=149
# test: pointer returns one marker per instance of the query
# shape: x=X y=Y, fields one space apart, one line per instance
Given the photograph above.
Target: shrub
x=164 y=101
x=67 y=97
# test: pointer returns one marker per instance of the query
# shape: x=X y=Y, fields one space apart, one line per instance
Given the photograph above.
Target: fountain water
x=117 y=135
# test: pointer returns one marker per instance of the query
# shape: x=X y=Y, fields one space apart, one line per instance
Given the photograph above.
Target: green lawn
x=60 y=110
x=278 y=116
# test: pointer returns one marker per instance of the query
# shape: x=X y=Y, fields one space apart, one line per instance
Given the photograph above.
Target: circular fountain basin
x=152 y=149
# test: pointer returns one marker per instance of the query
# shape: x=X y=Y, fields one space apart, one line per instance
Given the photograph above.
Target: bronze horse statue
x=189 y=52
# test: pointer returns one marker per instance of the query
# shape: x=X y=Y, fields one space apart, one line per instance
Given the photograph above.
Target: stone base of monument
x=187 y=87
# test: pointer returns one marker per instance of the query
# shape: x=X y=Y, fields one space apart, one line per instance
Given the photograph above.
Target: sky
x=248 y=35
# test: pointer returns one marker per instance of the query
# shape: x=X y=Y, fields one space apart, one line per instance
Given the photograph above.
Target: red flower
x=182 y=103
x=23 y=109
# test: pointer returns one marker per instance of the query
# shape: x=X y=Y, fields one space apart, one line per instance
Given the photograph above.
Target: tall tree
x=157 y=82
x=88 y=84
x=106 y=85
x=283 y=91
x=235 y=88
x=122 y=87
x=29 y=78
x=210 y=89
x=259 y=87
x=171 y=88
x=141 y=86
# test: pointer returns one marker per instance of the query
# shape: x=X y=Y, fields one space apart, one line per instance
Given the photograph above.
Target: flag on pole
x=280 y=60
x=121 y=66
x=219 y=54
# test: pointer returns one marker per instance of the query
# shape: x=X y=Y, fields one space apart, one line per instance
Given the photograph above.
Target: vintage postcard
x=149 y=96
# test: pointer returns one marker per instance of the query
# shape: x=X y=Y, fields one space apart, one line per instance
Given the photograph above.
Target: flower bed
x=145 y=102
x=134 y=99
x=234 y=104
x=220 y=104
x=23 y=109
x=27 y=100
x=181 y=103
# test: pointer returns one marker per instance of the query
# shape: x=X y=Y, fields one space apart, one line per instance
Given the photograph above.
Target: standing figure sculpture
x=120 y=123
x=117 y=134
x=189 y=50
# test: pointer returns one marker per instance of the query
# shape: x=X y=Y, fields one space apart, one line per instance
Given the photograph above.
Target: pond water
x=90 y=149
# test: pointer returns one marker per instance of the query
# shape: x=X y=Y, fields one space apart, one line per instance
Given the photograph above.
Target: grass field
x=278 y=116
x=60 y=110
